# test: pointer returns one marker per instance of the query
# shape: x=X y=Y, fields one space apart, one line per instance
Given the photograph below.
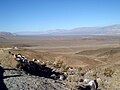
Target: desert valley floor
x=83 y=51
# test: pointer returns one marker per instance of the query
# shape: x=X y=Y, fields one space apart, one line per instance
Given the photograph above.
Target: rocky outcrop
x=19 y=80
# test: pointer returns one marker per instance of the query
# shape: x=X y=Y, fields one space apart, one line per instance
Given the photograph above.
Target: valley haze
x=100 y=30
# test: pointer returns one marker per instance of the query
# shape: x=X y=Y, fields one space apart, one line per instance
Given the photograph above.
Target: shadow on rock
x=40 y=70
x=84 y=88
x=2 y=84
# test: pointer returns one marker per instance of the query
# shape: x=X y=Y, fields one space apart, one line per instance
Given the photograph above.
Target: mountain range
x=7 y=34
x=105 y=30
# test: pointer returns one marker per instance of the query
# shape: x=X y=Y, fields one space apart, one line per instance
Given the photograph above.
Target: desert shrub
x=108 y=72
x=58 y=64
x=79 y=69
x=65 y=68
x=95 y=75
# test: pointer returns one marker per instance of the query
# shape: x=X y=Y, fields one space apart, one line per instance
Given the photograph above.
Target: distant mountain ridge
x=106 y=30
x=7 y=34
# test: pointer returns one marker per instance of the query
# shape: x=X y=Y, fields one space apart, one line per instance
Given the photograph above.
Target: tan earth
x=100 y=54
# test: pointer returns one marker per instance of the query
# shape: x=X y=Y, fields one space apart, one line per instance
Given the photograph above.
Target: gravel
x=18 y=80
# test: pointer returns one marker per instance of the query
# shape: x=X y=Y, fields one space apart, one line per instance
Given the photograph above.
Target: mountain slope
x=6 y=34
x=106 y=30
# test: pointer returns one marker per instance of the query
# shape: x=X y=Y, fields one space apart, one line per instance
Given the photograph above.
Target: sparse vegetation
x=65 y=68
x=108 y=72
x=58 y=64
x=79 y=69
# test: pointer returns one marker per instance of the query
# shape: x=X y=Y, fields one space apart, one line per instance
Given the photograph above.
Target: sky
x=43 y=15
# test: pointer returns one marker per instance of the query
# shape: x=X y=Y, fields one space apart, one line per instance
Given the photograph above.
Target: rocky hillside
x=15 y=80
x=107 y=76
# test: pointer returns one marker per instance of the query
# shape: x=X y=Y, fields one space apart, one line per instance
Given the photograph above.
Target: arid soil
x=74 y=50
x=97 y=56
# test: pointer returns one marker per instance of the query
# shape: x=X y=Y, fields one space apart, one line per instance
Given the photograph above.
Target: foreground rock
x=16 y=80
x=107 y=76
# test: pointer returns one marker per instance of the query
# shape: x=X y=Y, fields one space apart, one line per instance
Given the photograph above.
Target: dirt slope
x=104 y=66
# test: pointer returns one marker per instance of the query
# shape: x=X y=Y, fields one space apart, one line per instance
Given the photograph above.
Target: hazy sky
x=41 y=15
